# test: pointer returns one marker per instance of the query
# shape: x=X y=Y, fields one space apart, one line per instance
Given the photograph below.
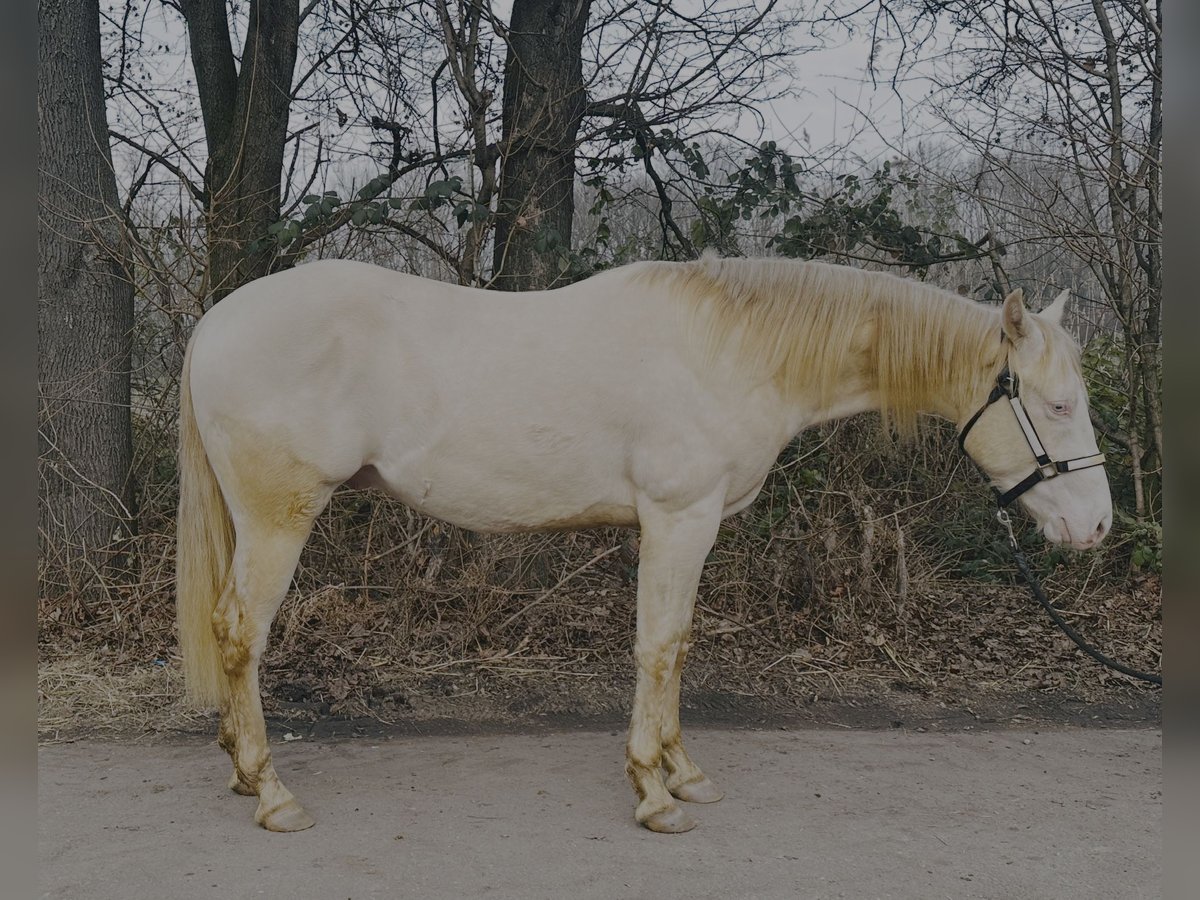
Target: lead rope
x=1039 y=595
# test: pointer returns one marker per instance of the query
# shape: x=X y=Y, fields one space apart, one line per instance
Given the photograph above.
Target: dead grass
x=93 y=693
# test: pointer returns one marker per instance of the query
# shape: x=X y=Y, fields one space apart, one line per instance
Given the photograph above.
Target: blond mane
x=806 y=325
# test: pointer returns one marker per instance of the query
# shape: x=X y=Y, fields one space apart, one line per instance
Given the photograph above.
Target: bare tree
x=85 y=308
x=246 y=102
x=495 y=121
x=544 y=102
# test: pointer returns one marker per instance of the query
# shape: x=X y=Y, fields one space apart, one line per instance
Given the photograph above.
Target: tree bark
x=85 y=310
x=245 y=123
x=544 y=101
x=1126 y=225
x=1152 y=352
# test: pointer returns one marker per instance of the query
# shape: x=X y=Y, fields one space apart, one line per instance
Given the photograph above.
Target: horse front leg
x=673 y=547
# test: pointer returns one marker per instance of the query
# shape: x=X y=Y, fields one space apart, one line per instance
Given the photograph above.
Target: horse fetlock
x=244 y=776
x=638 y=775
x=240 y=782
x=253 y=767
x=239 y=786
x=227 y=739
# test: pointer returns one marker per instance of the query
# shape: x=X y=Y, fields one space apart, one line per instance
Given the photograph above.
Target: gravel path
x=1063 y=813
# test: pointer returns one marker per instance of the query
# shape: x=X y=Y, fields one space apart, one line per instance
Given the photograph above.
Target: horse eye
x=1060 y=408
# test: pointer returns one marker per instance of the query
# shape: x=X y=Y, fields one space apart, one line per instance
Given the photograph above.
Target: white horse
x=655 y=395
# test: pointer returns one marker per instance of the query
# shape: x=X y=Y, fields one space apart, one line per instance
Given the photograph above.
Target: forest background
x=189 y=147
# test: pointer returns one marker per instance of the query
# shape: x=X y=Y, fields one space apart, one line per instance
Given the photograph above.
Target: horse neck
x=839 y=341
x=922 y=351
x=934 y=353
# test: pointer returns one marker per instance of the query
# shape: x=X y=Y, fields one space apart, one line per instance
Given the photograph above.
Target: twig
x=545 y=594
x=746 y=625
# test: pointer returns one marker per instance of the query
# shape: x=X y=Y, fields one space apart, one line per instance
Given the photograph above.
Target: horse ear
x=1013 y=317
x=1054 y=312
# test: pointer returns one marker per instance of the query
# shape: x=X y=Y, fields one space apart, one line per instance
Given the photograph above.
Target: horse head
x=1033 y=437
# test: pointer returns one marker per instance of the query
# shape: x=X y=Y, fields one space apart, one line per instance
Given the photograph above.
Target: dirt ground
x=927 y=811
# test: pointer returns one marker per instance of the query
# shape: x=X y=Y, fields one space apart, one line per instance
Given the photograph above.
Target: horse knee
x=656 y=663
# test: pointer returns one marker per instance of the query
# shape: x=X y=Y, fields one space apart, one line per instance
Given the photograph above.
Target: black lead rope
x=1035 y=588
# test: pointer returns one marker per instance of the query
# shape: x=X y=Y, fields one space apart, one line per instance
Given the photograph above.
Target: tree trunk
x=544 y=100
x=245 y=123
x=1152 y=353
x=85 y=310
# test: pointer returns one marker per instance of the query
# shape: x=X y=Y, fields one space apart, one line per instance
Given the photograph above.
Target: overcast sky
x=833 y=102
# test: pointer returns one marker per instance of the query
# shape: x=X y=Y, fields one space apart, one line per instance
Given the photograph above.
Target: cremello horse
x=655 y=395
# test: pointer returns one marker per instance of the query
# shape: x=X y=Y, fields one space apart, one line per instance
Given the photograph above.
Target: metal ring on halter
x=1005 y=519
x=1009 y=385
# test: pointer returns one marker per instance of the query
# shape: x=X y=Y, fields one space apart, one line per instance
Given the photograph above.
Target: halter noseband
x=1008 y=385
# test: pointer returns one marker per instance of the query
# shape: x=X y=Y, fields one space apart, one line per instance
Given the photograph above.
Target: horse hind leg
x=685 y=781
x=264 y=560
x=227 y=733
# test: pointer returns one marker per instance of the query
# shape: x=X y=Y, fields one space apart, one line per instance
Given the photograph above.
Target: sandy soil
x=809 y=812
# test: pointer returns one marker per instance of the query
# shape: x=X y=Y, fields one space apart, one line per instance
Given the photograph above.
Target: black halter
x=1008 y=385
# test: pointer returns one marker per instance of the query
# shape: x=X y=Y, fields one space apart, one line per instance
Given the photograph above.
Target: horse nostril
x=1101 y=530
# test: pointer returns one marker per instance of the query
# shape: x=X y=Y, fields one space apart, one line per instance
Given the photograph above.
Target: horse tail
x=203 y=551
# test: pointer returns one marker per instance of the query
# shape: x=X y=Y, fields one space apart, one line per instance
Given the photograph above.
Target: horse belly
x=485 y=486
x=489 y=510
x=597 y=515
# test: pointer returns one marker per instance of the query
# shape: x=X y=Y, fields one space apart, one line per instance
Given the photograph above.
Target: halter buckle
x=1008 y=382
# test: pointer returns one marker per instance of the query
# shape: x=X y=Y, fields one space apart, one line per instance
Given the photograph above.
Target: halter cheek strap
x=1008 y=385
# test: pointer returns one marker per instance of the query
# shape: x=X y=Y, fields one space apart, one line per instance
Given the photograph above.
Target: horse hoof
x=702 y=791
x=240 y=787
x=289 y=817
x=670 y=821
